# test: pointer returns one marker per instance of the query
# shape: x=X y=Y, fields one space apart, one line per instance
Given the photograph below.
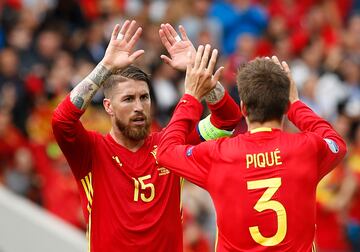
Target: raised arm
x=331 y=146
x=225 y=113
x=192 y=162
x=74 y=141
x=117 y=56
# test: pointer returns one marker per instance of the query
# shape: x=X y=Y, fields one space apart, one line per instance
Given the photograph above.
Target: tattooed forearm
x=82 y=94
x=99 y=75
x=216 y=94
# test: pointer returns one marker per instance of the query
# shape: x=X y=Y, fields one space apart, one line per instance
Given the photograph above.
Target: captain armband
x=208 y=131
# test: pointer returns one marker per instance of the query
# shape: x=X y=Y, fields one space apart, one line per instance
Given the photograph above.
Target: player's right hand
x=293 y=95
x=119 y=51
x=177 y=47
x=199 y=78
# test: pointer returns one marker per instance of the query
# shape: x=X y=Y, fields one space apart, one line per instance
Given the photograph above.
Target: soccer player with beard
x=263 y=183
x=130 y=202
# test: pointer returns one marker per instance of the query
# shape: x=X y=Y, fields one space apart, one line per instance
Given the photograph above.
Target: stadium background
x=48 y=46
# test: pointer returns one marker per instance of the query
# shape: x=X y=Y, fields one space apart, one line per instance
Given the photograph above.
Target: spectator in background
x=13 y=95
x=197 y=23
x=94 y=45
x=238 y=17
x=21 y=177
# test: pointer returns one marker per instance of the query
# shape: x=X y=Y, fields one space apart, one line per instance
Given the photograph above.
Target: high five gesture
x=119 y=51
x=177 y=47
x=199 y=78
x=117 y=56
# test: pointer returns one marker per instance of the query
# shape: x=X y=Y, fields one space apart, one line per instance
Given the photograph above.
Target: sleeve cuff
x=220 y=103
x=293 y=107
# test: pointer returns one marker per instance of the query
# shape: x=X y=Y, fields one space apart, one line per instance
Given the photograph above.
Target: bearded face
x=136 y=127
x=129 y=106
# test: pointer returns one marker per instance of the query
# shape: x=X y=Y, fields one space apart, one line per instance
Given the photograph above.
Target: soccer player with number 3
x=263 y=182
x=130 y=202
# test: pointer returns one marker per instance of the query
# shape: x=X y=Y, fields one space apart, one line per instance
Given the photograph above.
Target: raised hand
x=177 y=47
x=119 y=51
x=199 y=78
x=293 y=95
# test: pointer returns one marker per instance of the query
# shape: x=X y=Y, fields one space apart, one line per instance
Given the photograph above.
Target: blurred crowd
x=48 y=46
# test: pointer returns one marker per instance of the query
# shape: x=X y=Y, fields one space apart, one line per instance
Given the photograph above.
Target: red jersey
x=262 y=182
x=131 y=203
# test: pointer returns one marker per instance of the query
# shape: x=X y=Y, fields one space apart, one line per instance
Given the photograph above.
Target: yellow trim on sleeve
x=87 y=192
x=88 y=234
x=216 y=237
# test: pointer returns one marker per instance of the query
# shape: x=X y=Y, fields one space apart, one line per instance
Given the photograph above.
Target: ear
x=108 y=107
x=243 y=109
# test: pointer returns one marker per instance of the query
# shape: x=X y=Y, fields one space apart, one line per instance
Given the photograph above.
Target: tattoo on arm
x=82 y=94
x=216 y=94
x=99 y=75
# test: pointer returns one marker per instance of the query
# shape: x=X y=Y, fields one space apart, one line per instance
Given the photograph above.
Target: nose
x=139 y=107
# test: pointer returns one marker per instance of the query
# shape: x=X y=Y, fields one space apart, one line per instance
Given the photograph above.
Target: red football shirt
x=131 y=203
x=262 y=182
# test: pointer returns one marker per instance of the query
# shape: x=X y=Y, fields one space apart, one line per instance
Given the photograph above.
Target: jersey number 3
x=139 y=182
x=265 y=203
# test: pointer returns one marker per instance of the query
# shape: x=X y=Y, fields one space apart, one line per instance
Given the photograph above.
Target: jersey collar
x=260 y=129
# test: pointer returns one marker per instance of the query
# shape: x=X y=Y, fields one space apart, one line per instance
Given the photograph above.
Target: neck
x=274 y=124
x=132 y=145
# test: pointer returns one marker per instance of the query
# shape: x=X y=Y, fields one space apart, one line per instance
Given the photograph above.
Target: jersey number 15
x=139 y=184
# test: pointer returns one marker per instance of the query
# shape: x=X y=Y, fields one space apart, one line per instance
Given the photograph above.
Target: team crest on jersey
x=163 y=171
x=332 y=145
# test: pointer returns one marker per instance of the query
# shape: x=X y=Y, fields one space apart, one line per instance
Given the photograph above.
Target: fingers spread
x=129 y=33
x=218 y=74
x=136 y=55
x=124 y=27
x=205 y=57
x=135 y=38
x=115 y=32
x=183 y=33
x=168 y=35
x=164 y=39
x=166 y=59
x=212 y=61
x=198 y=56
x=171 y=30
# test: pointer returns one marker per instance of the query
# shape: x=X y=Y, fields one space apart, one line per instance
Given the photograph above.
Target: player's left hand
x=293 y=95
x=199 y=78
x=177 y=47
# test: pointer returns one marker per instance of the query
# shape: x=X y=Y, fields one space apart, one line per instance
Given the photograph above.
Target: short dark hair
x=264 y=89
x=130 y=72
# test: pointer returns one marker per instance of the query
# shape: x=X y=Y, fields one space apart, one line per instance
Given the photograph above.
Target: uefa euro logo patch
x=189 y=151
x=332 y=145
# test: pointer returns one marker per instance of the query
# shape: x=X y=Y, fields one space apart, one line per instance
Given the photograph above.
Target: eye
x=128 y=99
x=145 y=97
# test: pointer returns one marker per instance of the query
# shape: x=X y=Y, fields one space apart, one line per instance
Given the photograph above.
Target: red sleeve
x=190 y=162
x=74 y=141
x=331 y=148
x=225 y=115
